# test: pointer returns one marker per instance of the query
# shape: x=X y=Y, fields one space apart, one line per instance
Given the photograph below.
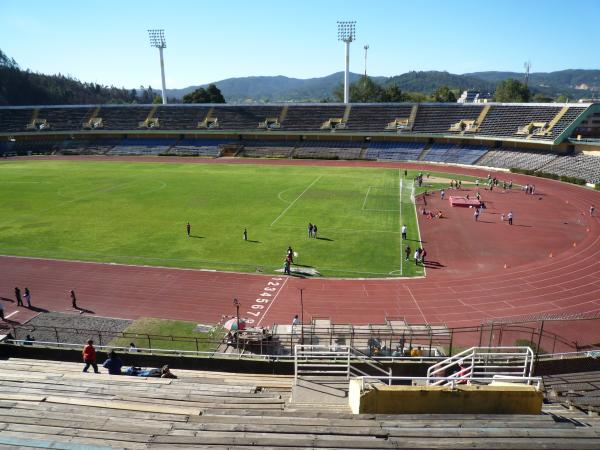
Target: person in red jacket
x=89 y=356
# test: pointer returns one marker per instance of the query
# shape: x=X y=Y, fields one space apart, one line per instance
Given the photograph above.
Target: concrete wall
x=504 y=399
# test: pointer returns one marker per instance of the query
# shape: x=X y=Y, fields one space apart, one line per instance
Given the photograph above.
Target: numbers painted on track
x=268 y=292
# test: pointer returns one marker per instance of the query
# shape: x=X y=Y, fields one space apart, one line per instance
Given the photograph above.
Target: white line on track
x=416 y=303
x=271 y=303
x=11 y=314
x=296 y=199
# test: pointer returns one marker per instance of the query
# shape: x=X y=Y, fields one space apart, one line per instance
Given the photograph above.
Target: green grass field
x=136 y=213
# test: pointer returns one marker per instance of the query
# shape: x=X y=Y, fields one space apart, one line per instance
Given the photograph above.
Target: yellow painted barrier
x=504 y=398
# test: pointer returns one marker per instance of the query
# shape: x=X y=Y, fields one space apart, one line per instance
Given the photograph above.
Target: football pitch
x=136 y=213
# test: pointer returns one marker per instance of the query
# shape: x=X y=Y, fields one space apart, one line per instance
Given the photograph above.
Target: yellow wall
x=505 y=399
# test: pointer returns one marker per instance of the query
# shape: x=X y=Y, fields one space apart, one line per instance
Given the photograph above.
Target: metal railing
x=483 y=362
x=447 y=381
x=327 y=360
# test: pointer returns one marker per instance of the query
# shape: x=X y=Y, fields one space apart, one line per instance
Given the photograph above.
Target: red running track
x=548 y=262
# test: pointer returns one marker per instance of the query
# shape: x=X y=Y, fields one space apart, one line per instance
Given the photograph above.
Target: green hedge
x=552 y=176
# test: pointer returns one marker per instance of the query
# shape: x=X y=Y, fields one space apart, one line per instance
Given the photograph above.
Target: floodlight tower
x=157 y=39
x=366 y=47
x=527 y=67
x=347 y=34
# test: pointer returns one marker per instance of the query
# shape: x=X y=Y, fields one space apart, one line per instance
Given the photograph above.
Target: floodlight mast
x=157 y=39
x=347 y=34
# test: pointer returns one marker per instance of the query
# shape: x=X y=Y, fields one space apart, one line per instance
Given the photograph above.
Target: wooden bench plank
x=118 y=404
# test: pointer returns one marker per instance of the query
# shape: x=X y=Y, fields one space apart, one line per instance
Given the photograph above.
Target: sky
x=106 y=41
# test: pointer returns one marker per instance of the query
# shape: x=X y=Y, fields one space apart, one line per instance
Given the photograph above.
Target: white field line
x=366 y=196
x=414 y=202
x=295 y=200
x=271 y=303
x=400 y=186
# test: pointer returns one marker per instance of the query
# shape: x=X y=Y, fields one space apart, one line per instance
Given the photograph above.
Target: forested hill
x=23 y=87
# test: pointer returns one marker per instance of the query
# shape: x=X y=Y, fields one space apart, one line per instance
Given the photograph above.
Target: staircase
x=322 y=374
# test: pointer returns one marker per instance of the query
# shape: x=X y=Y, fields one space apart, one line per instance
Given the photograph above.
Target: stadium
x=449 y=299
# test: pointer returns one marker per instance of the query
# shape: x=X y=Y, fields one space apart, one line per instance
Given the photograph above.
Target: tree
x=211 y=94
x=393 y=94
x=443 y=94
x=542 y=98
x=512 y=91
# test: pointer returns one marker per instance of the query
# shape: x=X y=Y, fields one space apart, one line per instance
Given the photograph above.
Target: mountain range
x=572 y=83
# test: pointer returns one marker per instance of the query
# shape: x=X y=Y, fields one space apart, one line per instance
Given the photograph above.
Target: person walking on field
x=89 y=356
x=403 y=232
x=18 y=296
x=315 y=231
x=310 y=230
x=188 y=228
x=407 y=253
x=245 y=234
x=476 y=214
x=28 y=297
x=510 y=218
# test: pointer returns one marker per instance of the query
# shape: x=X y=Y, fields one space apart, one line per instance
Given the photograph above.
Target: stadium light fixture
x=347 y=34
x=366 y=47
x=157 y=39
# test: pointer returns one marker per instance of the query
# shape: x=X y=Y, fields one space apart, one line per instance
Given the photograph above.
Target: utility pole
x=366 y=47
x=527 y=66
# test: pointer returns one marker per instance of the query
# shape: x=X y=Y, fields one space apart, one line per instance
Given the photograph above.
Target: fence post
x=56 y=333
x=500 y=336
x=149 y=342
x=480 y=334
x=451 y=339
x=197 y=347
x=100 y=338
x=537 y=350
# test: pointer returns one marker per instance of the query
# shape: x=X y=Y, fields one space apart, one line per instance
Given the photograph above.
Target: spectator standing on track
x=442 y=194
x=510 y=217
x=477 y=182
x=113 y=364
x=476 y=214
x=89 y=356
x=286 y=267
x=73 y=299
x=28 y=297
x=188 y=228
x=403 y=230
x=592 y=208
x=18 y=296
x=407 y=253
x=423 y=255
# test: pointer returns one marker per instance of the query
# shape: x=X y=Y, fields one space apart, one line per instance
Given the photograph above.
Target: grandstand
x=544 y=137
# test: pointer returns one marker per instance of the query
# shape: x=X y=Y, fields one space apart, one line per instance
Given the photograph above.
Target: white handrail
x=453 y=381
x=477 y=361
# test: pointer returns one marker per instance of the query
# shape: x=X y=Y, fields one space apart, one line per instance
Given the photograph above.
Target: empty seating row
x=457 y=154
x=507 y=158
x=497 y=120
x=580 y=165
x=395 y=151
